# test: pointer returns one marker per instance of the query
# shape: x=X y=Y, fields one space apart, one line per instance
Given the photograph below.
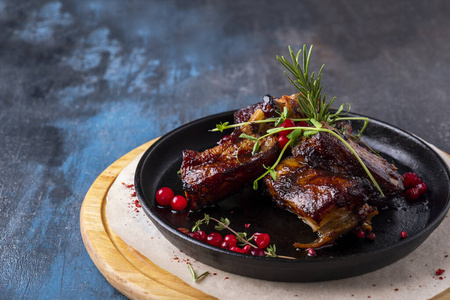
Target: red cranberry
x=225 y=245
x=302 y=124
x=199 y=235
x=371 y=236
x=178 y=203
x=262 y=240
x=286 y=124
x=360 y=234
x=412 y=194
x=410 y=180
x=404 y=234
x=230 y=239
x=196 y=236
x=214 y=239
x=246 y=249
x=311 y=252
x=164 y=196
x=283 y=140
x=236 y=249
x=423 y=188
x=257 y=252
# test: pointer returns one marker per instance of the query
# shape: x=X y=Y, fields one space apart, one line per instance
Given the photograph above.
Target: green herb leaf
x=206 y=218
x=294 y=135
x=241 y=237
x=196 y=227
x=246 y=136
x=256 y=147
x=271 y=251
x=225 y=222
x=316 y=124
x=222 y=126
x=283 y=116
x=194 y=276
x=309 y=133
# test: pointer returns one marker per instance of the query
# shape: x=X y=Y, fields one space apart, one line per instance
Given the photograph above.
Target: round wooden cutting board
x=126 y=269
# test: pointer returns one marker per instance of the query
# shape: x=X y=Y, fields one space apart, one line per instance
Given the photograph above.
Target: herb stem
x=194 y=276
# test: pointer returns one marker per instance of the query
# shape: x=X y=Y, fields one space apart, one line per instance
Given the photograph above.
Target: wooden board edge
x=126 y=269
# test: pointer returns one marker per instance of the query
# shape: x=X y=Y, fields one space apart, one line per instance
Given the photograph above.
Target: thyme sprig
x=224 y=223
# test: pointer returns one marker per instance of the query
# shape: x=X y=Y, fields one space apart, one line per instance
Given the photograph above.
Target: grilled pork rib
x=320 y=180
x=325 y=151
x=331 y=204
x=216 y=173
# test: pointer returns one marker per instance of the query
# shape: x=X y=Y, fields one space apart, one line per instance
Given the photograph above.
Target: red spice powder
x=440 y=272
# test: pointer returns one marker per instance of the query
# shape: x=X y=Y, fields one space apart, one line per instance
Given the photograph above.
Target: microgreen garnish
x=222 y=126
x=224 y=223
x=194 y=276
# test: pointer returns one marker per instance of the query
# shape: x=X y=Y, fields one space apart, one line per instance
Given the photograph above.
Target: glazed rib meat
x=325 y=151
x=326 y=186
x=331 y=204
x=216 y=173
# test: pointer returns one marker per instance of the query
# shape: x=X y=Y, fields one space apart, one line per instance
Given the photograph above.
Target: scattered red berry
x=311 y=252
x=302 y=124
x=214 y=239
x=404 y=234
x=257 y=252
x=262 y=240
x=286 y=124
x=360 y=234
x=246 y=249
x=371 y=236
x=283 y=140
x=236 y=249
x=199 y=235
x=202 y=235
x=225 y=245
x=230 y=239
x=410 y=180
x=423 y=188
x=440 y=272
x=178 y=203
x=412 y=194
x=164 y=196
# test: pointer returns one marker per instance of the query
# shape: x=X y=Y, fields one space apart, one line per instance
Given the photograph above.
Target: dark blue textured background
x=84 y=82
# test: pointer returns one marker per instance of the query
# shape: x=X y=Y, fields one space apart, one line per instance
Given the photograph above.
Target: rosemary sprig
x=310 y=98
x=194 y=276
